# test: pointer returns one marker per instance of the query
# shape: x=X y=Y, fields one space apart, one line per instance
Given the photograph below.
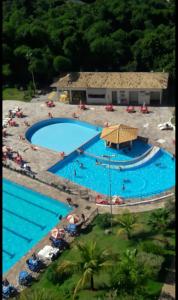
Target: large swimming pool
x=27 y=217
x=151 y=177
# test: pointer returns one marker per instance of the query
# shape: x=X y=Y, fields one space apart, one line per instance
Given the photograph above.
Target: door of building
x=78 y=96
x=114 y=97
x=133 y=97
x=155 y=98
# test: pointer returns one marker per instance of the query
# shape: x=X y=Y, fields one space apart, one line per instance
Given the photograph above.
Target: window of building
x=96 y=96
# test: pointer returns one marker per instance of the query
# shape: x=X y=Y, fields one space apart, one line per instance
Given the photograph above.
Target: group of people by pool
x=9 y=153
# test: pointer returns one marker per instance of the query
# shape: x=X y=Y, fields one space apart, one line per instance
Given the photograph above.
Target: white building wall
x=122 y=95
x=97 y=100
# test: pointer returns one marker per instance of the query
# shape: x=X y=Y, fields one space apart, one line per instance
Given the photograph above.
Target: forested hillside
x=54 y=36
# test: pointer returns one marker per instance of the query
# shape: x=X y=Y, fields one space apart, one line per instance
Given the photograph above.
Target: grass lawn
x=117 y=244
x=14 y=94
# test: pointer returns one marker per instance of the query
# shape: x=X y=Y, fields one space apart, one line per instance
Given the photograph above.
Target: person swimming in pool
x=81 y=165
x=123 y=187
x=97 y=162
x=75 y=173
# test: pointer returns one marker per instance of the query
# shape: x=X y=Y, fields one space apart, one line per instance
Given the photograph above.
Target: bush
x=54 y=276
x=103 y=220
x=151 y=262
x=41 y=294
x=152 y=247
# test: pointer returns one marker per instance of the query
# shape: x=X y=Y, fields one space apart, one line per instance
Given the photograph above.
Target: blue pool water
x=153 y=177
x=61 y=134
x=27 y=217
x=98 y=148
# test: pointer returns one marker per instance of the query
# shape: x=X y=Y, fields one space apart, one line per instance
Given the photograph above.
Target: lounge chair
x=50 y=104
x=49 y=253
x=61 y=244
x=34 y=266
x=72 y=229
x=130 y=109
x=109 y=107
x=19 y=114
x=166 y=126
x=25 y=278
x=144 y=109
x=8 y=291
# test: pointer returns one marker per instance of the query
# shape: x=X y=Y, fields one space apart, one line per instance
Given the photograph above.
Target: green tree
x=159 y=220
x=6 y=71
x=61 y=63
x=129 y=276
x=127 y=222
x=92 y=261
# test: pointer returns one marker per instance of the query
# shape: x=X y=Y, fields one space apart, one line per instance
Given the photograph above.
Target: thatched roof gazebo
x=119 y=134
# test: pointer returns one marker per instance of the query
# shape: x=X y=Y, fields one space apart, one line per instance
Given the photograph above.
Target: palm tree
x=127 y=222
x=130 y=275
x=92 y=261
x=159 y=220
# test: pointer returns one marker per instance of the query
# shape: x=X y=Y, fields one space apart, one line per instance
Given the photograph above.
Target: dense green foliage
x=104 y=35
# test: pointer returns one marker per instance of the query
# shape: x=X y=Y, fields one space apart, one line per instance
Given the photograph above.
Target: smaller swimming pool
x=61 y=134
x=27 y=217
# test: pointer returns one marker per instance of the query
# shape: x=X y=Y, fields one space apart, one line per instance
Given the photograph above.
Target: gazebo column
x=131 y=144
x=118 y=146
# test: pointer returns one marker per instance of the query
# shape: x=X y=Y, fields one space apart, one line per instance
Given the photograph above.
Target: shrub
x=41 y=294
x=152 y=247
x=151 y=263
x=54 y=276
x=103 y=220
